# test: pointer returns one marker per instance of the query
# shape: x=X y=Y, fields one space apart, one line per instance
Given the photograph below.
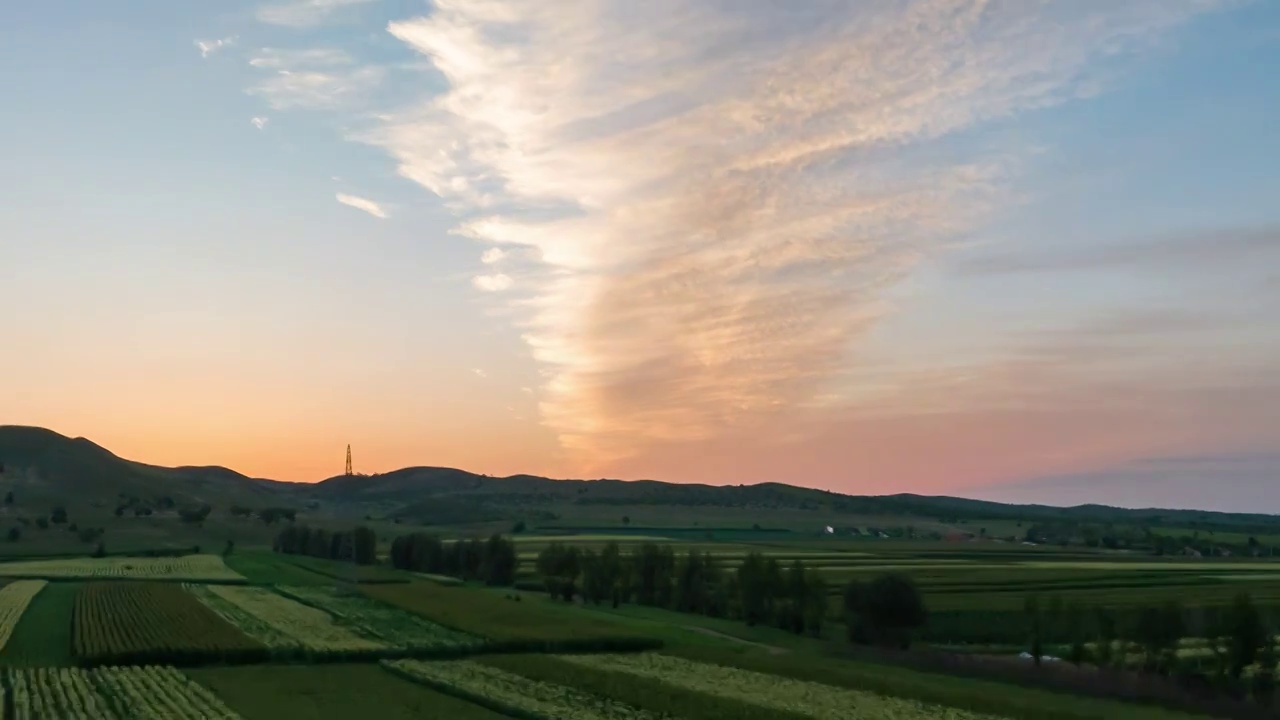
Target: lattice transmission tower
x=349 y=461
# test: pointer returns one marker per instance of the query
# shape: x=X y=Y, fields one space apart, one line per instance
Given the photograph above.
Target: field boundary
x=302 y=656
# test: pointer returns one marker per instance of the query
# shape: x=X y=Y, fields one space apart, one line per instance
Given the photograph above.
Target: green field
x=331 y=692
x=42 y=637
x=269 y=649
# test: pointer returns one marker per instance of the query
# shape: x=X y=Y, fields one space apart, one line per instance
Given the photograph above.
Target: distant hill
x=48 y=464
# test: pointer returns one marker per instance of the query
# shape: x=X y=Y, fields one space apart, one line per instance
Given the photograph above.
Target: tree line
x=359 y=544
x=1236 y=651
x=492 y=561
x=758 y=591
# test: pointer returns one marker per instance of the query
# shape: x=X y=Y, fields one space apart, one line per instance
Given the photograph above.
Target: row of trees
x=492 y=561
x=360 y=544
x=759 y=591
x=1233 y=641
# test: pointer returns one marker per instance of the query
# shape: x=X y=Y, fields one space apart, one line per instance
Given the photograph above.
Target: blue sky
x=592 y=238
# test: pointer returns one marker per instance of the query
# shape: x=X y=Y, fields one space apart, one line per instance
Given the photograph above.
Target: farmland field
x=494 y=617
x=14 y=599
x=111 y=693
x=334 y=570
x=380 y=621
x=42 y=637
x=331 y=692
x=515 y=694
x=197 y=568
x=289 y=632
x=664 y=699
x=279 y=622
x=133 y=622
x=267 y=568
x=781 y=694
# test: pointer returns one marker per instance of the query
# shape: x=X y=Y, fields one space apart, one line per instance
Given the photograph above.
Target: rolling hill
x=40 y=462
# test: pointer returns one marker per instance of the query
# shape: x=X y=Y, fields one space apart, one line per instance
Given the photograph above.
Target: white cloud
x=364 y=204
x=316 y=90
x=734 y=191
x=304 y=13
x=259 y=122
x=278 y=59
x=492 y=283
x=493 y=255
x=479 y=372
x=209 y=47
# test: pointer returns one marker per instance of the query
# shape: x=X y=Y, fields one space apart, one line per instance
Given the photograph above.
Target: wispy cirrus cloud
x=313 y=79
x=1187 y=250
x=306 y=13
x=209 y=47
x=260 y=122
x=723 y=199
x=363 y=204
x=280 y=59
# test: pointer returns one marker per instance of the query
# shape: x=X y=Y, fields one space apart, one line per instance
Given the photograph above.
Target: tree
x=42 y=523
x=519 y=527
x=8 y=497
x=14 y=534
x=626 y=519
x=119 y=510
x=194 y=516
x=101 y=550
x=58 y=516
x=1035 y=627
x=227 y=550
x=1264 y=678
x=1106 y=636
x=1246 y=634
x=1074 y=630
x=559 y=565
x=886 y=611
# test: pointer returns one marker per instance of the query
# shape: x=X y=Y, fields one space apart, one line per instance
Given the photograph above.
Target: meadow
x=260 y=635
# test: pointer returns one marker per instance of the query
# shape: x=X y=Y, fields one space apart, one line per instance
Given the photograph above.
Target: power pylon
x=349 y=461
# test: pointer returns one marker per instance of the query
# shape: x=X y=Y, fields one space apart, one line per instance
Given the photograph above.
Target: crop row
x=385 y=623
x=131 y=623
x=14 y=599
x=514 y=694
x=112 y=693
x=209 y=568
x=770 y=691
x=278 y=622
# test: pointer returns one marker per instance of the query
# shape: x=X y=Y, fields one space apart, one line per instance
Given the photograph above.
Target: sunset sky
x=1019 y=250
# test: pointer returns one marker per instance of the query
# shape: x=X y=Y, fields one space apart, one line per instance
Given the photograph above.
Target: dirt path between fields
x=771 y=649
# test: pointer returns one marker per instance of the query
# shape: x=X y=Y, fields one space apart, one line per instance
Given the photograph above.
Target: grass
x=268 y=568
x=42 y=637
x=331 y=692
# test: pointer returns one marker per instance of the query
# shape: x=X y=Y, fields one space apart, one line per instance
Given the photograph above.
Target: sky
x=1002 y=249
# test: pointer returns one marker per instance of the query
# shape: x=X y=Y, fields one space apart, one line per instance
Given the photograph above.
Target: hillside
x=42 y=463
x=54 y=468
